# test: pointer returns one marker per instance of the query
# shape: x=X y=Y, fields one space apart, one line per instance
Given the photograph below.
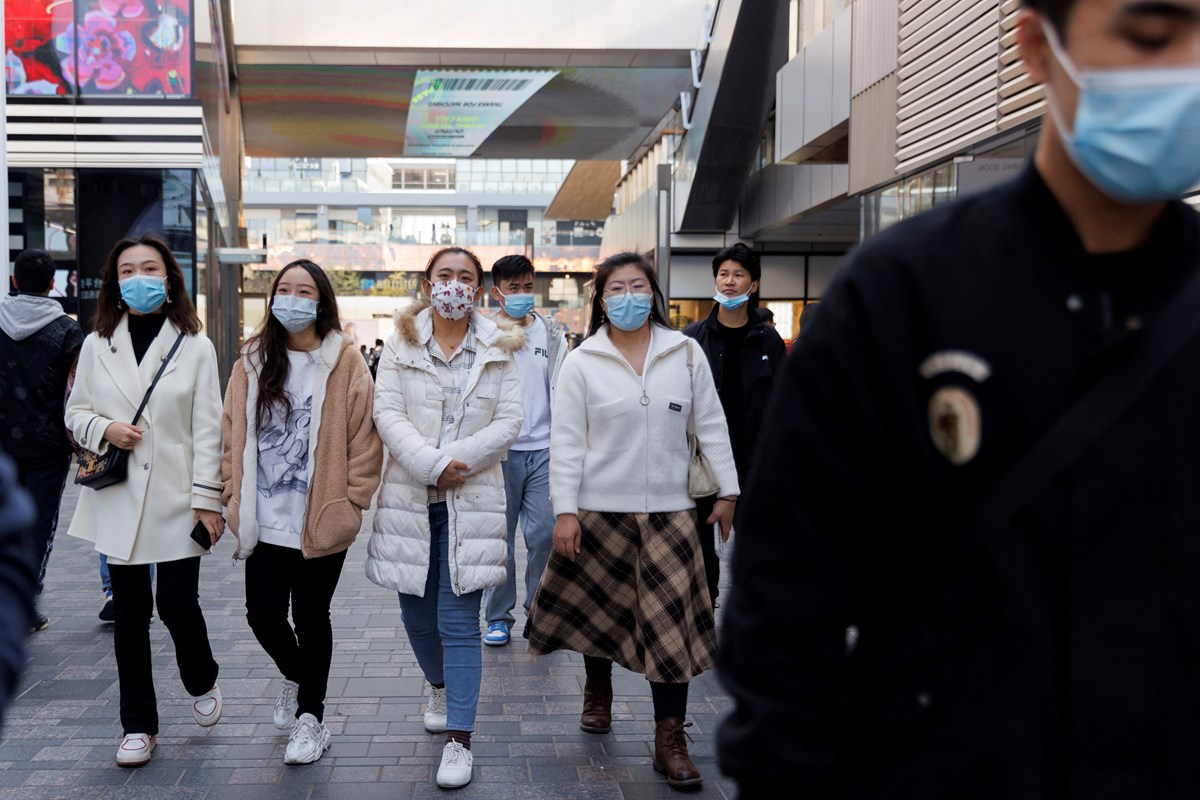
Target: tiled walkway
x=61 y=732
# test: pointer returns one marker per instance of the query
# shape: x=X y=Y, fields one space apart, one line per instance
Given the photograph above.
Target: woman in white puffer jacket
x=448 y=407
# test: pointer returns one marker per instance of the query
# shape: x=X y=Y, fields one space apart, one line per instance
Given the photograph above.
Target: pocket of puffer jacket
x=337 y=522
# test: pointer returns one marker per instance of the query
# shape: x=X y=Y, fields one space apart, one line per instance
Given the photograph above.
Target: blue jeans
x=527 y=490
x=443 y=629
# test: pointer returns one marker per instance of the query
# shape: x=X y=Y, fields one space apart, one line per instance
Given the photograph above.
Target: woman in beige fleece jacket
x=301 y=463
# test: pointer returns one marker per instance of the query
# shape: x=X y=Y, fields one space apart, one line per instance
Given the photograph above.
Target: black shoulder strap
x=1093 y=413
x=157 y=375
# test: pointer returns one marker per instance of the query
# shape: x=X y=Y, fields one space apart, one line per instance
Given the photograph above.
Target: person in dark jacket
x=744 y=352
x=17 y=575
x=881 y=644
x=38 y=347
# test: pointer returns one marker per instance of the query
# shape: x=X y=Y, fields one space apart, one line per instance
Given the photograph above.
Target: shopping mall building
x=250 y=133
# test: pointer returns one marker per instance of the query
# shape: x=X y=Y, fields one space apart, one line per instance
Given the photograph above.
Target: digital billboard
x=452 y=112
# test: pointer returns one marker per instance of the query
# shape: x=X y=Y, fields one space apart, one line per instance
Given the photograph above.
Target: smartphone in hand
x=200 y=536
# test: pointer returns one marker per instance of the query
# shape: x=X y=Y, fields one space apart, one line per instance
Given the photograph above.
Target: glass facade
x=974 y=171
x=463 y=175
x=910 y=197
x=77 y=215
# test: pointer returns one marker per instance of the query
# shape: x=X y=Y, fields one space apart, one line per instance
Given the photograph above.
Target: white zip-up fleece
x=619 y=440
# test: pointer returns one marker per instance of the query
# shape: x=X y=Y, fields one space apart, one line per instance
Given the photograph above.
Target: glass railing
x=541 y=238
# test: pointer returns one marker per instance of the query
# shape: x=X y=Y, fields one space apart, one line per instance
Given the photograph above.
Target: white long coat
x=175 y=468
x=408 y=416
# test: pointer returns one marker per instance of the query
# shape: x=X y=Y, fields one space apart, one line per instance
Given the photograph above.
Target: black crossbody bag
x=100 y=470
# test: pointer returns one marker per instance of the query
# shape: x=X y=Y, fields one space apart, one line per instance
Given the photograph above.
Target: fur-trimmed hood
x=414 y=324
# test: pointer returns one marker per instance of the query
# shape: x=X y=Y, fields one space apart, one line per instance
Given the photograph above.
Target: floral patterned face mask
x=452 y=299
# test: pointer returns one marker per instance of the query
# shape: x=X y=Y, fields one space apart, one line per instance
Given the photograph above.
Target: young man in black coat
x=744 y=353
x=875 y=644
x=38 y=347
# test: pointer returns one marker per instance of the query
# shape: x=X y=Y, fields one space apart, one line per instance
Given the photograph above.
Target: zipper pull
x=645 y=401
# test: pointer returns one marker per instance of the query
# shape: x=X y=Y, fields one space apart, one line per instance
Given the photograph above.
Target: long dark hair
x=109 y=308
x=271 y=342
x=658 y=307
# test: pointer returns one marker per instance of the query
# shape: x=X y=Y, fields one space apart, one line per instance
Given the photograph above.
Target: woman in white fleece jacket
x=626 y=580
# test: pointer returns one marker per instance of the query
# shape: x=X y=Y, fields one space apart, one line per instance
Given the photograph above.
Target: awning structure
x=587 y=193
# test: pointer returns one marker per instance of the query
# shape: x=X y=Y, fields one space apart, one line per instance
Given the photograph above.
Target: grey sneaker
x=435 y=711
x=286 y=706
x=308 y=742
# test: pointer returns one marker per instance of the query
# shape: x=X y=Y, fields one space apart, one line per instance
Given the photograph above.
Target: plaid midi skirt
x=635 y=594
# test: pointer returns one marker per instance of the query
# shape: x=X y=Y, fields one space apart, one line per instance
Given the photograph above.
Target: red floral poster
x=98 y=47
x=31 y=62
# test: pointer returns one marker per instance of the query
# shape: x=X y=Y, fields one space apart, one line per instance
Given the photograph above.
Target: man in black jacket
x=38 y=347
x=743 y=352
x=16 y=579
x=876 y=646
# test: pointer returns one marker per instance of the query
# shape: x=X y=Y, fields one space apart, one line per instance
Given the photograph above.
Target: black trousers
x=179 y=607
x=708 y=548
x=45 y=481
x=670 y=699
x=275 y=575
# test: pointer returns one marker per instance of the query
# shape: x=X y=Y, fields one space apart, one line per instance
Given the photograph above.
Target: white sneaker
x=286 y=706
x=455 y=769
x=435 y=710
x=308 y=742
x=207 y=707
x=135 y=750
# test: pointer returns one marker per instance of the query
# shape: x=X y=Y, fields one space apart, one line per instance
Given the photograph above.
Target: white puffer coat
x=408 y=416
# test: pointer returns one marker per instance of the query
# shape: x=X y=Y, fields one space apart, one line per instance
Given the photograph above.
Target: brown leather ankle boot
x=671 y=754
x=597 y=706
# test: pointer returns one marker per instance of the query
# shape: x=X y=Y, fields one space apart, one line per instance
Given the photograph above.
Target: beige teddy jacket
x=345 y=453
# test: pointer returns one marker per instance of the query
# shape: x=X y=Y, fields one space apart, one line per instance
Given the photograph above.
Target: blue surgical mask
x=517 y=305
x=294 y=313
x=144 y=293
x=731 y=303
x=628 y=311
x=1136 y=133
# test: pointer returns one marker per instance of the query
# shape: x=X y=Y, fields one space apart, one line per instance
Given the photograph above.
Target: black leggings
x=670 y=699
x=275 y=575
x=179 y=606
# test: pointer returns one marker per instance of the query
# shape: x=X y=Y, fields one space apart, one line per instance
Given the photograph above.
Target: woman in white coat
x=447 y=406
x=174 y=480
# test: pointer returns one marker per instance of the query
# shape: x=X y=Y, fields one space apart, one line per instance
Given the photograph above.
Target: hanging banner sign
x=452 y=112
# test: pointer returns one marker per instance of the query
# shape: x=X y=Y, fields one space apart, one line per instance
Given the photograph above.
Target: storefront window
x=918 y=193
x=98 y=47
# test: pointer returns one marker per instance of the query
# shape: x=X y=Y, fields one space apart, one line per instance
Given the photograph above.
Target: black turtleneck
x=142 y=330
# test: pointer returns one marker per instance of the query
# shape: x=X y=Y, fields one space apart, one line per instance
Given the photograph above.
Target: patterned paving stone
x=62 y=730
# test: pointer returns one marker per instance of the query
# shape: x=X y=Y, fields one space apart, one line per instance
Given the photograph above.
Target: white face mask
x=452 y=299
